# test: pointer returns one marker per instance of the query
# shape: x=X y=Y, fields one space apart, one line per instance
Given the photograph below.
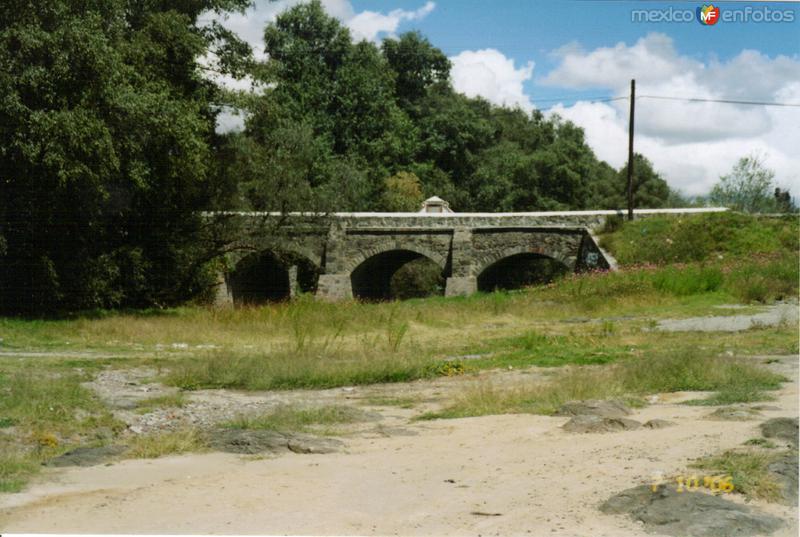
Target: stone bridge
x=347 y=255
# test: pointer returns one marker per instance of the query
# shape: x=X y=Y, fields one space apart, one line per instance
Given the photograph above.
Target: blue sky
x=526 y=30
x=557 y=55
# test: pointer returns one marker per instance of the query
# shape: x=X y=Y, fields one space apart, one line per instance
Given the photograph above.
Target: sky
x=568 y=57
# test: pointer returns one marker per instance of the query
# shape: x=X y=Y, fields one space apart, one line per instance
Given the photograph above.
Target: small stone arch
x=485 y=261
x=519 y=267
x=358 y=259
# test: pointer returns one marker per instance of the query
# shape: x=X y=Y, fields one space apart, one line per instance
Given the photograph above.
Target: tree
x=417 y=65
x=107 y=151
x=402 y=193
x=650 y=191
x=748 y=187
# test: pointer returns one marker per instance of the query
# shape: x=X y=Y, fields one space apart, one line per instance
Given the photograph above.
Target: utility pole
x=630 y=150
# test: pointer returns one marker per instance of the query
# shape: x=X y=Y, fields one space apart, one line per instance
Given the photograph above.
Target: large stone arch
x=259 y=275
x=384 y=273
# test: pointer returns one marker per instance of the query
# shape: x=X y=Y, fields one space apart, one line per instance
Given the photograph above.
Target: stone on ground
x=734 y=413
x=781 y=428
x=597 y=424
x=658 y=423
x=689 y=514
x=86 y=456
x=604 y=409
x=258 y=441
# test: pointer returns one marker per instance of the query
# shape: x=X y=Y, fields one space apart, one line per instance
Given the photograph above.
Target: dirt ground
x=495 y=475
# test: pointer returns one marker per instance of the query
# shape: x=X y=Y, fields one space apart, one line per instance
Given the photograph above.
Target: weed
x=287 y=418
x=154 y=445
x=749 y=470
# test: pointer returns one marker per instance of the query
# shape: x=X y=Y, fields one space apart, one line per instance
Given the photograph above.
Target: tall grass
x=684 y=370
x=295 y=370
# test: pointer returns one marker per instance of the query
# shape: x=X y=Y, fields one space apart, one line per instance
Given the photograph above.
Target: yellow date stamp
x=715 y=483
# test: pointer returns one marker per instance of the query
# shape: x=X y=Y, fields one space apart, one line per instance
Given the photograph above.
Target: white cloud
x=369 y=24
x=489 y=74
x=691 y=143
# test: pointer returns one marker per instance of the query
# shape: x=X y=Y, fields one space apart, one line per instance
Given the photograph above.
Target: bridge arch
x=272 y=275
x=519 y=267
x=375 y=276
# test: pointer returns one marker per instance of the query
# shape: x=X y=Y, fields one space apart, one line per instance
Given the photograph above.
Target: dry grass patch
x=290 y=418
x=154 y=445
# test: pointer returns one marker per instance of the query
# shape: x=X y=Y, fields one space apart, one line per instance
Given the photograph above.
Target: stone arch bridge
x=346 y=255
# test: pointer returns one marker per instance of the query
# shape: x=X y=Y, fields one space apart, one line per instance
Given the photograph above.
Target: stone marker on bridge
x=355 y=254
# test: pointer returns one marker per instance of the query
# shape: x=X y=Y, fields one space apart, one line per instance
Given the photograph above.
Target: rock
x=785 y=471
x=605 y=409
x=658 y=424
x=258 y=441
x=247 y=441
x=86 y=456
x=597 y=424
x=686 y=513
x=734 y=413
x=313 y=444
x=782 y=428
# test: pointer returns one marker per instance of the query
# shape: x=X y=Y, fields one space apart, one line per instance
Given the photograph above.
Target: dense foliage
x=107 y=148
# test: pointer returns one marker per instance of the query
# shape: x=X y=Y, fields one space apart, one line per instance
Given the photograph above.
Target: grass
x=46 y=413
x=682 y=370
x=733 y=395
x=749 y=472
x=16 y=468
x=286 y=418
x=299 y=370
x=176 y=400
x=154 y=445
x=665 y=239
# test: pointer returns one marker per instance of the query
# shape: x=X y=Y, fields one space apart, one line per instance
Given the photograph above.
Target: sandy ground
x=496 y=475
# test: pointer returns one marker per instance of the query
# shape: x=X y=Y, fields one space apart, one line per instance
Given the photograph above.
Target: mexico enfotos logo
x=710 y=15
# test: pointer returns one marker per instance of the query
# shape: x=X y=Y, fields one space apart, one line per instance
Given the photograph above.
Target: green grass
x=300 y=370
x=701 y=237
x=749 y=472
x=631 y=379
x=45 y=413
x=16 y=468
x=733 y=395
x=287 y=418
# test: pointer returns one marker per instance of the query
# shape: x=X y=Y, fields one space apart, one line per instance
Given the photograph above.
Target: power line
x=726 y=101
x=665 y=98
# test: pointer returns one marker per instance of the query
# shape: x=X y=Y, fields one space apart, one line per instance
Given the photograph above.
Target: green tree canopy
x=106 y=150
x=750 y=187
